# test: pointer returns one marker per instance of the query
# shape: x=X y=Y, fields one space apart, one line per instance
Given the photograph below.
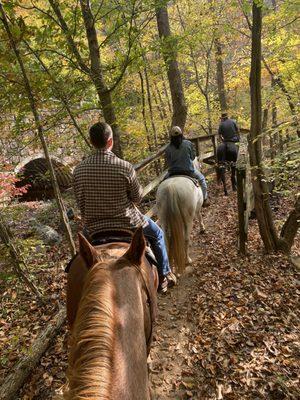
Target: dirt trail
x=172 y=374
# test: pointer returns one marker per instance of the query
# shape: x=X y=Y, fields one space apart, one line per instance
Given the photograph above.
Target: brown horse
x=111 y=308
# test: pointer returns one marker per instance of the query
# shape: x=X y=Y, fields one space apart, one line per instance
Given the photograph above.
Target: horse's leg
x=222 y=169
x=201 y=223
x=187 y=231
x=233 y=177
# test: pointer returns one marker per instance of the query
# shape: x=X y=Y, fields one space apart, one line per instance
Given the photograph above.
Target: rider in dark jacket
x=229 y=135
x=180 y=155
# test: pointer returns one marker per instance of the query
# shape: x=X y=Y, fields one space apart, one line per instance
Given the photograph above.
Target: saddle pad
x=194 y=180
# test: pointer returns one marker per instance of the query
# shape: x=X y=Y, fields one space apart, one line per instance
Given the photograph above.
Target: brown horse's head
x=111 y=320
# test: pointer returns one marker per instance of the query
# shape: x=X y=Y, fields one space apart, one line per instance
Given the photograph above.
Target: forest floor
x=229 y=330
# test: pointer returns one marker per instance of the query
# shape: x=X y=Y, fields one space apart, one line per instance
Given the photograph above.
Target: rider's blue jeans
x=156 y=239
x=202 y=181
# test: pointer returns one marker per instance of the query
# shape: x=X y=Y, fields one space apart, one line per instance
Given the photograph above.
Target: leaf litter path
x=229 y=330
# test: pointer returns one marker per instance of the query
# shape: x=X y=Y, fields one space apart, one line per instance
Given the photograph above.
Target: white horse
x=178 y=201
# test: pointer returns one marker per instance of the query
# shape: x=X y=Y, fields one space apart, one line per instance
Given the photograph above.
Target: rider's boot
x=206 y=203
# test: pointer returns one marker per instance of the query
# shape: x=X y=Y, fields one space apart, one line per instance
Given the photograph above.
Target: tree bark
x=40 y=131
x=260 y=189
x=291 y=227
x=170 y=58
x=21 y=371
x=220 y=76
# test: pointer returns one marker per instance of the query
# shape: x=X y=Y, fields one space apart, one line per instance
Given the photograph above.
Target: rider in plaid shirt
x=107 y=192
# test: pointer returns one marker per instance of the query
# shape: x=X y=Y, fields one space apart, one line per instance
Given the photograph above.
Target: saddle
x=184 y=174
x=115 y=236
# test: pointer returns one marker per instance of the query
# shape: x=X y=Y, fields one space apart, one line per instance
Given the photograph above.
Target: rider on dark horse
x=227 y=151
x=180 y=155
x=107 y=193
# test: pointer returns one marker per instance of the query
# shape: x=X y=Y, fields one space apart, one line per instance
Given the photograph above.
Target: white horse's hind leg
x=201 y=223
x=188 y=230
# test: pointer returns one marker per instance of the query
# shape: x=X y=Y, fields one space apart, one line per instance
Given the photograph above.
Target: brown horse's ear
x=87 y=251
x=137 y=248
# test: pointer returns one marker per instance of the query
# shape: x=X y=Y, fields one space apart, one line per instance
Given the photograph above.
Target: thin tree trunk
x=170 y=57
x=166 y=93
x=40 y=131
x=149 y=100
x=17 y=261
x=144 y=112
x=274 y=139
x=291 y=227
x=97 y=74
x=264 y=127
x=261 y=194
x=157 y=100
x=220 y=76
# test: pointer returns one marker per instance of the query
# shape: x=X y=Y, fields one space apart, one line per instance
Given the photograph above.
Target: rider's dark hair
x=99 y=134
x=176 y=140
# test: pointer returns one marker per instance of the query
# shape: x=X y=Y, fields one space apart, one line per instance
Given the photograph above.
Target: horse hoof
x=225 y=193
x=202 y=231
x=189 y=261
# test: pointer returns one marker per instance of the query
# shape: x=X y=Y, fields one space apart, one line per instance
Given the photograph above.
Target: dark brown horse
x=111 y=308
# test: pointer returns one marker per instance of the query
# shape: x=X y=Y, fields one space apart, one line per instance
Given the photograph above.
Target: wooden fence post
x=245 y=201
x=242 y=235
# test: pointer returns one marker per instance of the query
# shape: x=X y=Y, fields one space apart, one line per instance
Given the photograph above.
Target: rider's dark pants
x=227 y=151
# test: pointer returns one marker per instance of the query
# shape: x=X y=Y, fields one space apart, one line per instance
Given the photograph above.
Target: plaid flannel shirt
x=106 y=189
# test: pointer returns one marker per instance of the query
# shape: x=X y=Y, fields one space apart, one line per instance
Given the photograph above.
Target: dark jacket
x=181 y=159
x=229 y=131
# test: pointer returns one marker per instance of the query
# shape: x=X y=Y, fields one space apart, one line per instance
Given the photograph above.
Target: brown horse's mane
x=91 y=350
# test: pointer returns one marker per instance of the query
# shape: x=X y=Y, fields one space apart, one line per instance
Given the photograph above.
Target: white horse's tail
x=173 y=221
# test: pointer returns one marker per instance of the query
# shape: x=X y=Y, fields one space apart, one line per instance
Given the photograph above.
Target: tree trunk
x=144 y=112
x=40 y=131
x=17 y=261
x=166 y=93
x=161 y=109
x=290 y=227
x=149 y=100
x=97 y=74
x=170 y=57
x=260 y=189
x=21 y=371
x=264 y=127
x=220 y=76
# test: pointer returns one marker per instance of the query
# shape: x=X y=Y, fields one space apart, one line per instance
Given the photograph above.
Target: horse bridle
x=150 y=303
